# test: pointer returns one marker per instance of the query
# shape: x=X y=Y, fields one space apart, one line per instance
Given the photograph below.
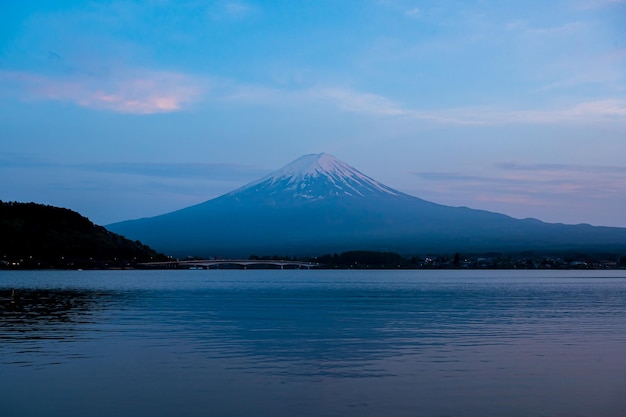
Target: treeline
x=522 y=260
x=40 y=236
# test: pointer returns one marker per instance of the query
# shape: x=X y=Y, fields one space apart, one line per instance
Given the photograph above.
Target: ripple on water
x=315 y=343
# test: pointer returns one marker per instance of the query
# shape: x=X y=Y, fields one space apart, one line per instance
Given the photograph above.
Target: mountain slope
x=318 y=204
x=35 y=235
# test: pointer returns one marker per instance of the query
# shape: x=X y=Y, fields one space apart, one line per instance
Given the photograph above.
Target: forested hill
x=39 y=236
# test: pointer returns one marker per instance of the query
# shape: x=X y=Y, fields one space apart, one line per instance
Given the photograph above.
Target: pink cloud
x=138 y=92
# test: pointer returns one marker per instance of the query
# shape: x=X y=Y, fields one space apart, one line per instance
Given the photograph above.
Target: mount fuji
x=318 y=204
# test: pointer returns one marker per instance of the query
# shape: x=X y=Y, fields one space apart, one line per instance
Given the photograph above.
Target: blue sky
x=127 y=109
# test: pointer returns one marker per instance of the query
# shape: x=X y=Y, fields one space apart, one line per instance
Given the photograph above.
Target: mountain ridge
x=319 y=204
x=40 y=236
x=312 y=177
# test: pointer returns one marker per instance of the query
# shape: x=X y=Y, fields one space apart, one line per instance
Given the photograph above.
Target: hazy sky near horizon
x=128 y=109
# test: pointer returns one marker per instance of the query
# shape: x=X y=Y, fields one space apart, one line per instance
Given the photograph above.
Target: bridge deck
x=244 y=263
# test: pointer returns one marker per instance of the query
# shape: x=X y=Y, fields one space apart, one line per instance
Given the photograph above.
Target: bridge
x=219 y=263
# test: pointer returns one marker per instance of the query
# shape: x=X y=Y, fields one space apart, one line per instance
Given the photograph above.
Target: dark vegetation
x=34 y=236
x=521 y=260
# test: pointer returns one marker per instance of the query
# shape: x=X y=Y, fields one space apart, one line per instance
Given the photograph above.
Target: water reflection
x=36 y=321
x=353 y=332
x=170 y=345
x=341 y=332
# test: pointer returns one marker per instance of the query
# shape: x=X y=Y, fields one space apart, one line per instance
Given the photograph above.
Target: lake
x=312 y=343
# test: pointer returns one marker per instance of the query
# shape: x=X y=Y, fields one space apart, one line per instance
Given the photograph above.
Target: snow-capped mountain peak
x=318 y=204
x=316 y=176
x=314 y=165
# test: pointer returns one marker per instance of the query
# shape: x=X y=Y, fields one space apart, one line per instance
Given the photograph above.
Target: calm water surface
x=312 y=343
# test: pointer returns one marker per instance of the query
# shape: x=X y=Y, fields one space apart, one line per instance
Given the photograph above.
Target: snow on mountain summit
x=317 y=176
x=314 y=165
x=318 y=204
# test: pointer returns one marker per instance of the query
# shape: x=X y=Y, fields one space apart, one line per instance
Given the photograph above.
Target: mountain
x=39 y=236
x=319 y=204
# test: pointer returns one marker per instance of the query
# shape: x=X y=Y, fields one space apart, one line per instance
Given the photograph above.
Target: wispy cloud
x=536 y=183
x=124 y=91
x=237 y=8
x=232 y=10
x=566 y=29
x=367 y=103
x=550 y=192
x=144 y=91
x=589 y=4
x=530 y=188
x=412 y=12
x=209 y=171
x=191 y=170
x=112 y=191
x=407 y=8
x=598 y=169
x=584 y=112
x=374 y=104
x=360 y=102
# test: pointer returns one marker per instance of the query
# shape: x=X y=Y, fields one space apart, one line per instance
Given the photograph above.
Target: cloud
x=125 y=91
x=590 y=111
x=189 y=170
x=598 y=169
x=600 y=108
x=407 y=8
x=349 y=100
x=360 y=102
x=144 y=91
x=110 y=192
x=497 y=184
x=257 y=94
x=412 y=12
x=232 y=10
x=590 y=4
x=237 y=8
x=373 y=104
x=567 y=29
x=22 y=160
x=539 y=182
x=550 y=192
x=209 y=171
